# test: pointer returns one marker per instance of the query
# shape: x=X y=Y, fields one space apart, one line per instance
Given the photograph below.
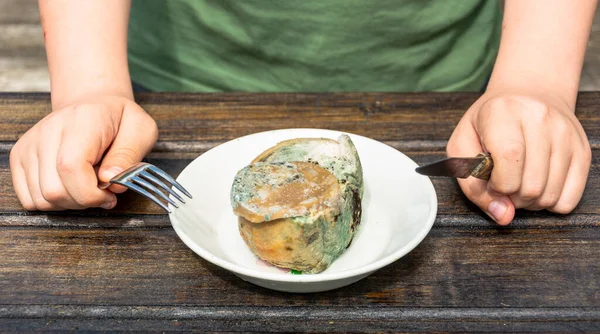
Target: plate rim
x=309 y=278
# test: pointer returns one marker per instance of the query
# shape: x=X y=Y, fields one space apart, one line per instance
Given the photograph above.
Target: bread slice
x=299 y=202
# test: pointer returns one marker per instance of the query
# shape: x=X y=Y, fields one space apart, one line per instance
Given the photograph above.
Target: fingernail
x=112 y=172
x=108 y=205
x=497 y=209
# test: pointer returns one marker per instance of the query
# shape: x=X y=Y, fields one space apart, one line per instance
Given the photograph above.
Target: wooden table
x=127 y=269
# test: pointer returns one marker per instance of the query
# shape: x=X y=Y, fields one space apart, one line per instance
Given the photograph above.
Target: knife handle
x=484 y=169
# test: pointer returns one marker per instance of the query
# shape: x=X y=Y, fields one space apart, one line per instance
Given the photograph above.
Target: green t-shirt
x=313 y=45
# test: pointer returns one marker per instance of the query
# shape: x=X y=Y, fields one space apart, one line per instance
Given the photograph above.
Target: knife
x=480 y=167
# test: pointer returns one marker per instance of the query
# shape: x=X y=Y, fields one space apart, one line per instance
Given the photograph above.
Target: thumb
x=465 y=142
x=499 y=207
x=136 y=136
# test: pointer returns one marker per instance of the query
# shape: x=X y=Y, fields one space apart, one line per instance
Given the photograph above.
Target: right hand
x=54 y=165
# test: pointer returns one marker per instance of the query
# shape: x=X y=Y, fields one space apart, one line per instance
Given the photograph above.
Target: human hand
x=54 y=165
x=541 y=153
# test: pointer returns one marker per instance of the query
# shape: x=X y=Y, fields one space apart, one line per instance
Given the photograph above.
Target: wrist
x=532 y=86
x=60 y=98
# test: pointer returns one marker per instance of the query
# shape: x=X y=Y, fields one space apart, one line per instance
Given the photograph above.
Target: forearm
x=86 y=45
x=543 y=45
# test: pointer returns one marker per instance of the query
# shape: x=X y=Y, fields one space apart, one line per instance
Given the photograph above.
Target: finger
x=75 y=162
x=136 y=137
x=574 y=184
x=557 y=175
x=536 y=168
x=503 y=138
x=33 y=185
x=19 y=181
x=51 y=185
x=465 y=142
x=53 y=191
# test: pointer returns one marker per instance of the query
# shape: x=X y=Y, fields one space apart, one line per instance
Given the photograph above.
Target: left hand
x=541 y=153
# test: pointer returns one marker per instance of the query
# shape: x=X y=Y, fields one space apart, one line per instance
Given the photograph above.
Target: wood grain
x=485 y=267
x=127 y=269
x=450 y=199
x=300 y=319
x=213 y=118
x=521 y=277
x=416 y=124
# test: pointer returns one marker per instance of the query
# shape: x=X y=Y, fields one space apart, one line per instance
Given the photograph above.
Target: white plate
x=399 y=208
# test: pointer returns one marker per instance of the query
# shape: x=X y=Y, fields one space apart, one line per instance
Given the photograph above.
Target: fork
x=140 y=178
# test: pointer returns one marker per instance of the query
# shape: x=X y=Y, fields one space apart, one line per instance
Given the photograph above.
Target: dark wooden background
x=127 y=269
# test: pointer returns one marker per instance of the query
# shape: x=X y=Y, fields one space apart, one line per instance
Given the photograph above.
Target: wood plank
x=450 y=197
x=590 y=73
x=23 y=74
x=19 y=12
x=478 y=268
x=23 y=65
x=22 y=40
x=99 y=219
x=295 y=319
x=215 y=118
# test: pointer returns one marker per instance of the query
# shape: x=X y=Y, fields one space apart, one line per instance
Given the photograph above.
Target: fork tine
x=149 y=186
x=156 y=181
x=143 y=192
x=167 y=177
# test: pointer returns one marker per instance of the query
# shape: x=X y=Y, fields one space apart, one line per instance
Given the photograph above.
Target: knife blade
x=480 y=167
